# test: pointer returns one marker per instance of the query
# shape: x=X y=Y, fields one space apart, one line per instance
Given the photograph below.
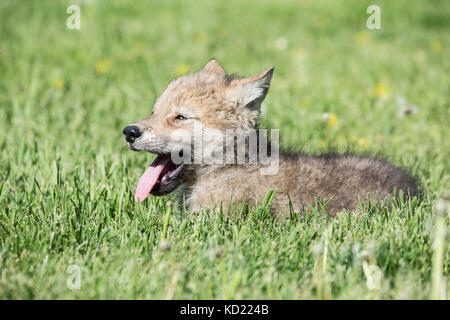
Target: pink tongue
x=149 y=178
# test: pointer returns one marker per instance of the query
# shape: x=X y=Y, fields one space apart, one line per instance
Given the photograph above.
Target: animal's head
x=209 y=99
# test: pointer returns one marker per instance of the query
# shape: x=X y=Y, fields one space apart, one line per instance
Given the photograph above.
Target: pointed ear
x=255 y=89
x=213 y=66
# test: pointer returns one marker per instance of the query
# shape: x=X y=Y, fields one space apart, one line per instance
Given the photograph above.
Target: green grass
x=67 y=178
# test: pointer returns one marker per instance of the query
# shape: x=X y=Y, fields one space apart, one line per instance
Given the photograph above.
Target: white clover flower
x=281 y=43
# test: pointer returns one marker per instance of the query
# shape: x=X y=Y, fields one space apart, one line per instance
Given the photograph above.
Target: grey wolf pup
x=218 y=102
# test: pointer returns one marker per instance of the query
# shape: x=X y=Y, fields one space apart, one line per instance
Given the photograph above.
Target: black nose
x=131 y=133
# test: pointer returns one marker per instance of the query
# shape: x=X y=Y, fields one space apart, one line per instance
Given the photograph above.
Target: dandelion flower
x=321 y=144
x=102 y=66
x=333 y=120
x=58 y=83
x=320 y=20
x=138 y=47
x=437 y=46
x=201 y=38
x=363 y=142
x=181 y=70
x=330 y=118
x=304 y=102
x=381 y=90
x=299 y=53
x=363 y=37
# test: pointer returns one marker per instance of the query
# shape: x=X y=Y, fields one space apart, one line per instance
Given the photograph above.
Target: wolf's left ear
x=213 y=66
x=255 y=89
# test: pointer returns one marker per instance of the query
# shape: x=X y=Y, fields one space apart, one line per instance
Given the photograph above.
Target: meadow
x=69 y=226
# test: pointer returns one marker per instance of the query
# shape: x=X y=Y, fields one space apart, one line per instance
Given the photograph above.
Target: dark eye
x=180 y=117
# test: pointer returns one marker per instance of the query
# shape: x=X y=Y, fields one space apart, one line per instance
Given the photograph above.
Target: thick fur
x=221 y=102
x=338 y=181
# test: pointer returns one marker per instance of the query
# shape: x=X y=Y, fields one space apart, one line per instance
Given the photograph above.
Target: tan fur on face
x=210 y=98
x=216 y=98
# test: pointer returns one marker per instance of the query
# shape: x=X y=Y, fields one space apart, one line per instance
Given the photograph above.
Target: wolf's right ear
x=255 y=89
x=213 y=66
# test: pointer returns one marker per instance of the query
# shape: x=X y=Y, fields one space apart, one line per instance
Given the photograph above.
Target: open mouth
x=162 y=177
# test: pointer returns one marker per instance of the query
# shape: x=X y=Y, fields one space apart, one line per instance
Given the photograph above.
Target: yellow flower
x=103 y=65
x=320 y=20
x=437 y=46
x=333 y=120
x=181 y=70
x=363 y=142
x=304 y=102
x=299 y=53
x=321 y=144
x=58 y=83
x=330 y=118
x=138 y=47
x=201 y=38
x=381 y=90
x=363 y=37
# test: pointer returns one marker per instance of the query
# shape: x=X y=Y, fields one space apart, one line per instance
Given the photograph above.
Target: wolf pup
x=218 y=103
